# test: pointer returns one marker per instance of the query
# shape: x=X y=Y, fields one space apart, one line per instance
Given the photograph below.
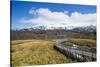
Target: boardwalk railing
x=76 y=53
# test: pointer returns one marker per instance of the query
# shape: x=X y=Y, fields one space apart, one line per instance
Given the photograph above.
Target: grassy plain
x=83 y=42
x=34 y=52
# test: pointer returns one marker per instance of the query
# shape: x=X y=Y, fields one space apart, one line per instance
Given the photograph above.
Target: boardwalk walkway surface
x=74 y=51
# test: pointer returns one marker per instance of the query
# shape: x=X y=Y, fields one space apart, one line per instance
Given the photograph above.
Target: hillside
x=58 y=33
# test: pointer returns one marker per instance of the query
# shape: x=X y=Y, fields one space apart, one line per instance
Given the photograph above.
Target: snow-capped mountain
x=90 y=28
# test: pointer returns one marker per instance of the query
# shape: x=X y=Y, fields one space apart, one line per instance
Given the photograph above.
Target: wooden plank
x=75 y=52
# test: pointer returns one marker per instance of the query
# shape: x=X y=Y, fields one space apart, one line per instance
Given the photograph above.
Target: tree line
x=42 y=33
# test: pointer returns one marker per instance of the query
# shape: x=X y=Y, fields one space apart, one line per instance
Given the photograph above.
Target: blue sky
x=20 y=10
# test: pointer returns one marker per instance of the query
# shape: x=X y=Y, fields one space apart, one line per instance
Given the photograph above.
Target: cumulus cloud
x=48 y=18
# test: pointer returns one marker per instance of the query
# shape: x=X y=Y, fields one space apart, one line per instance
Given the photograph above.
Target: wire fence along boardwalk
x=76 y=52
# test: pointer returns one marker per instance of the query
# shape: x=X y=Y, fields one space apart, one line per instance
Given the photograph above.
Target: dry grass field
x=83 y=42
x=34 y=52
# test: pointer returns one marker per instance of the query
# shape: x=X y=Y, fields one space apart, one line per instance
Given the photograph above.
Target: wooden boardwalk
x=75 y=52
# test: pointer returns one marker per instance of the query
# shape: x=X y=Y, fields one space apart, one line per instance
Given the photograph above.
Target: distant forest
x=42 y=33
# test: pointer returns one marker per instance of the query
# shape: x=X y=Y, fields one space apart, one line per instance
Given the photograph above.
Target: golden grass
x=34 y=52
x=19 y=41
x=83 y=42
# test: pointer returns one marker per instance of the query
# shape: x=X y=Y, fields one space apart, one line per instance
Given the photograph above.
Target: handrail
x=75 y=52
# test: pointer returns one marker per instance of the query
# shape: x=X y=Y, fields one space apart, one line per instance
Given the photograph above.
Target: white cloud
x=46 y=17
